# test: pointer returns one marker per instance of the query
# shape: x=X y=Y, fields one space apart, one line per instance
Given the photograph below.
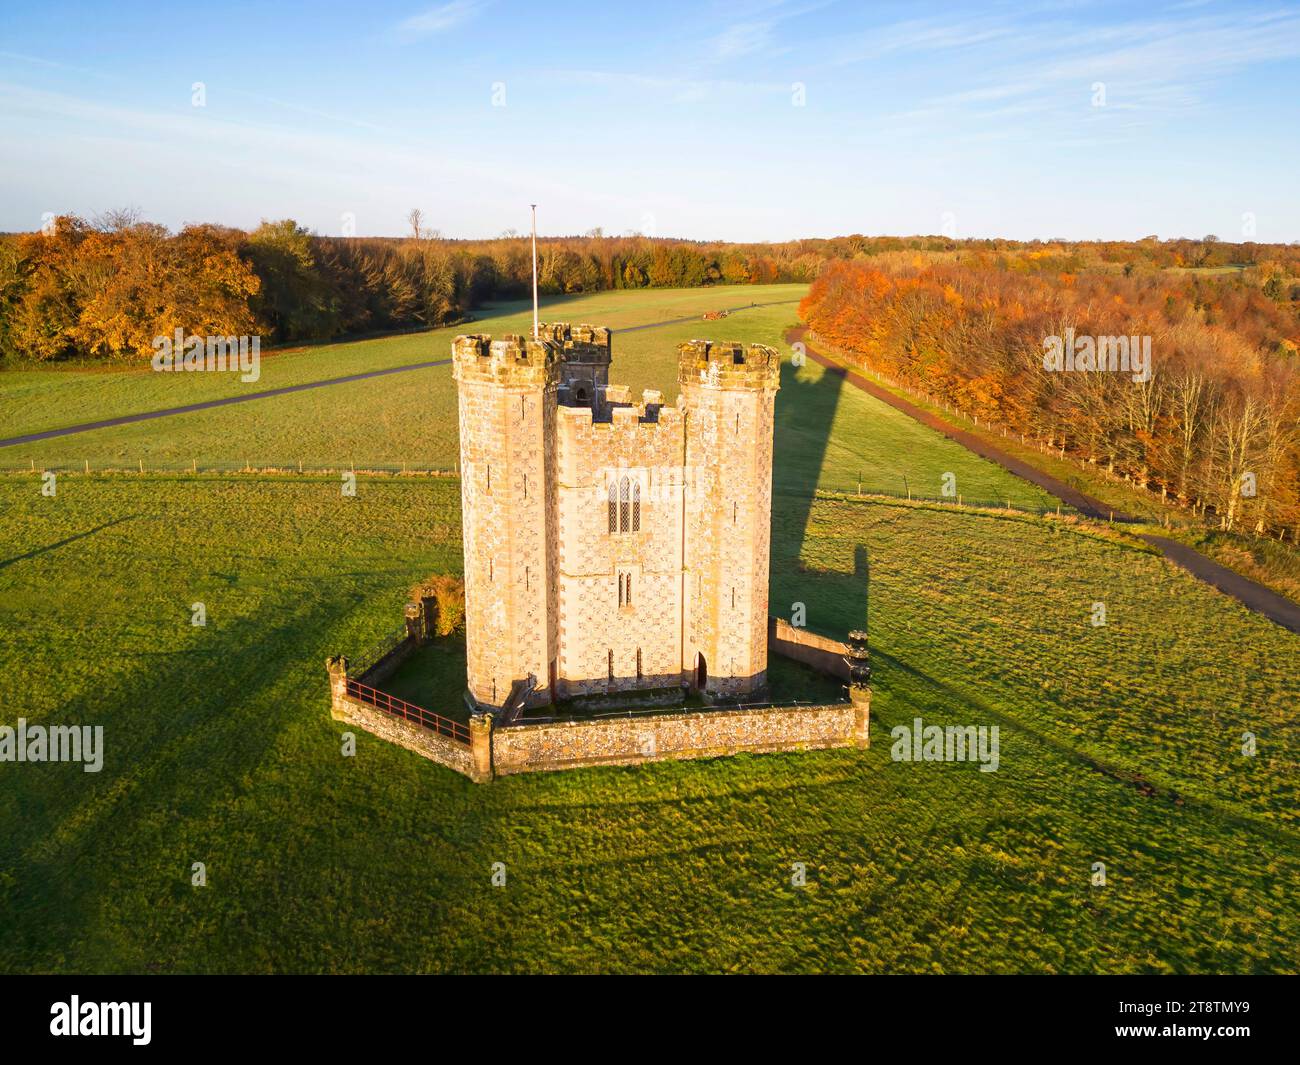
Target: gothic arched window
x=613 y=507
x=624 y=512
x=636 y=507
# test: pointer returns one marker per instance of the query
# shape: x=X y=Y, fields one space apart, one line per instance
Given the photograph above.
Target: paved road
x=1262 y=600
x=248 y=397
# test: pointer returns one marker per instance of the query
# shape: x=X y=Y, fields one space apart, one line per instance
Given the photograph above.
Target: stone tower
x=508 y=391
x=585 y=351
x=729 y=393
x=615 y=549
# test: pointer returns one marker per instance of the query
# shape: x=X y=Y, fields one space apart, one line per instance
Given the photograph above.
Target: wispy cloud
x=754 y=27
x=743 y=39
x=438 y=19
x=667 y=89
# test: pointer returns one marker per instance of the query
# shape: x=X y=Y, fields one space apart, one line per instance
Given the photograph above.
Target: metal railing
x=365 y=662
x=417 y=715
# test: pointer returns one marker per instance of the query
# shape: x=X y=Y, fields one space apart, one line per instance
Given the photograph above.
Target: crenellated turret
x=728 y=364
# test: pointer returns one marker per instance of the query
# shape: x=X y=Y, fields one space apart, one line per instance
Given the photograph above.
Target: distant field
x=48 y=397
x=1273 y=564
x=825 y=433
x=221 y=750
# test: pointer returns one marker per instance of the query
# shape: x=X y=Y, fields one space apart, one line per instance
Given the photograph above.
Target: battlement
x=728 y=364
x=509 y=359
x=620 y=408
x=579 y=343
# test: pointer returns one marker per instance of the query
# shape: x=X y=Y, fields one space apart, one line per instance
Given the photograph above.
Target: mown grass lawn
x=827 y=434
x=1120 y=743
x=220 y=750
x=49 y=397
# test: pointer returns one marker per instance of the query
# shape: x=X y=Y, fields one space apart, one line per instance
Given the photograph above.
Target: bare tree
x=117 y=219
x=416 y=220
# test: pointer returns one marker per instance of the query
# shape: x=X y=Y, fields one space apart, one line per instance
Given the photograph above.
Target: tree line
x=1216 y=424
x=104 y=289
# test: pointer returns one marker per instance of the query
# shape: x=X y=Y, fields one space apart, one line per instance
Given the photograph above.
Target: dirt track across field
x=1277 y=608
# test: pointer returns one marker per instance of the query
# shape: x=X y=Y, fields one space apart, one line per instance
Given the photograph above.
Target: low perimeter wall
x=661 y=737
x=394 y=729
x=820 y=652
x=493 y=752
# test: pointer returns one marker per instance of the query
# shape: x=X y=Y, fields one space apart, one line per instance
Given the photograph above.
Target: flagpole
x=534 y=207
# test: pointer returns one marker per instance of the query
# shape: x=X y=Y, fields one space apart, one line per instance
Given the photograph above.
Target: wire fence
x=237 y=466
x=864 y=490
x=959 y=501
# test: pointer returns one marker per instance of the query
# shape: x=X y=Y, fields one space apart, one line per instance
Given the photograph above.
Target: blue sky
x=1072 y=119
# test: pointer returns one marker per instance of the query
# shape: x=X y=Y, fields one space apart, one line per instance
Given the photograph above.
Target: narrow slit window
x=611 y=667
x=629 y=590
x=638 y=663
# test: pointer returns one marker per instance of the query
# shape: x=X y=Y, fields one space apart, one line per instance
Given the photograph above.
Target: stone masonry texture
x=670 y=589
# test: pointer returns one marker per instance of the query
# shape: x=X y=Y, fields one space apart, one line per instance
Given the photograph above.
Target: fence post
x=415 y=631
x=859 y=663
x=337 y=665
x=480 y=745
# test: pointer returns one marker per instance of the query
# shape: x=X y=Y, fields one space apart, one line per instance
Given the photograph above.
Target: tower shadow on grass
x=834 y=600
x=36 y=552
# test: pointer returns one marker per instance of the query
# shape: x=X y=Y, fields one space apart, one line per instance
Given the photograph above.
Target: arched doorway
x=701 y=672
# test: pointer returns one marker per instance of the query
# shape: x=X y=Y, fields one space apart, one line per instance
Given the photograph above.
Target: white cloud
x=744 y=39
x=438 y=19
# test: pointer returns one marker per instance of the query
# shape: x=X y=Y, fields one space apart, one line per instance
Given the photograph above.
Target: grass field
x=825 y=432
x=1119 y=744
x=220 y=750
x=395 y=419
x=1270 y=562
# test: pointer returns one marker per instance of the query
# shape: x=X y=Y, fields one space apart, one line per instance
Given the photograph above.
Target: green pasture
x=1121 y=744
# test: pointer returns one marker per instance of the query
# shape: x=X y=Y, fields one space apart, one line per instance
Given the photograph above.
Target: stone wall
x=632 y=740
x=387 y=666
x=422 y=741
x=820 y=652
x=607 y=643
x=660 y=737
